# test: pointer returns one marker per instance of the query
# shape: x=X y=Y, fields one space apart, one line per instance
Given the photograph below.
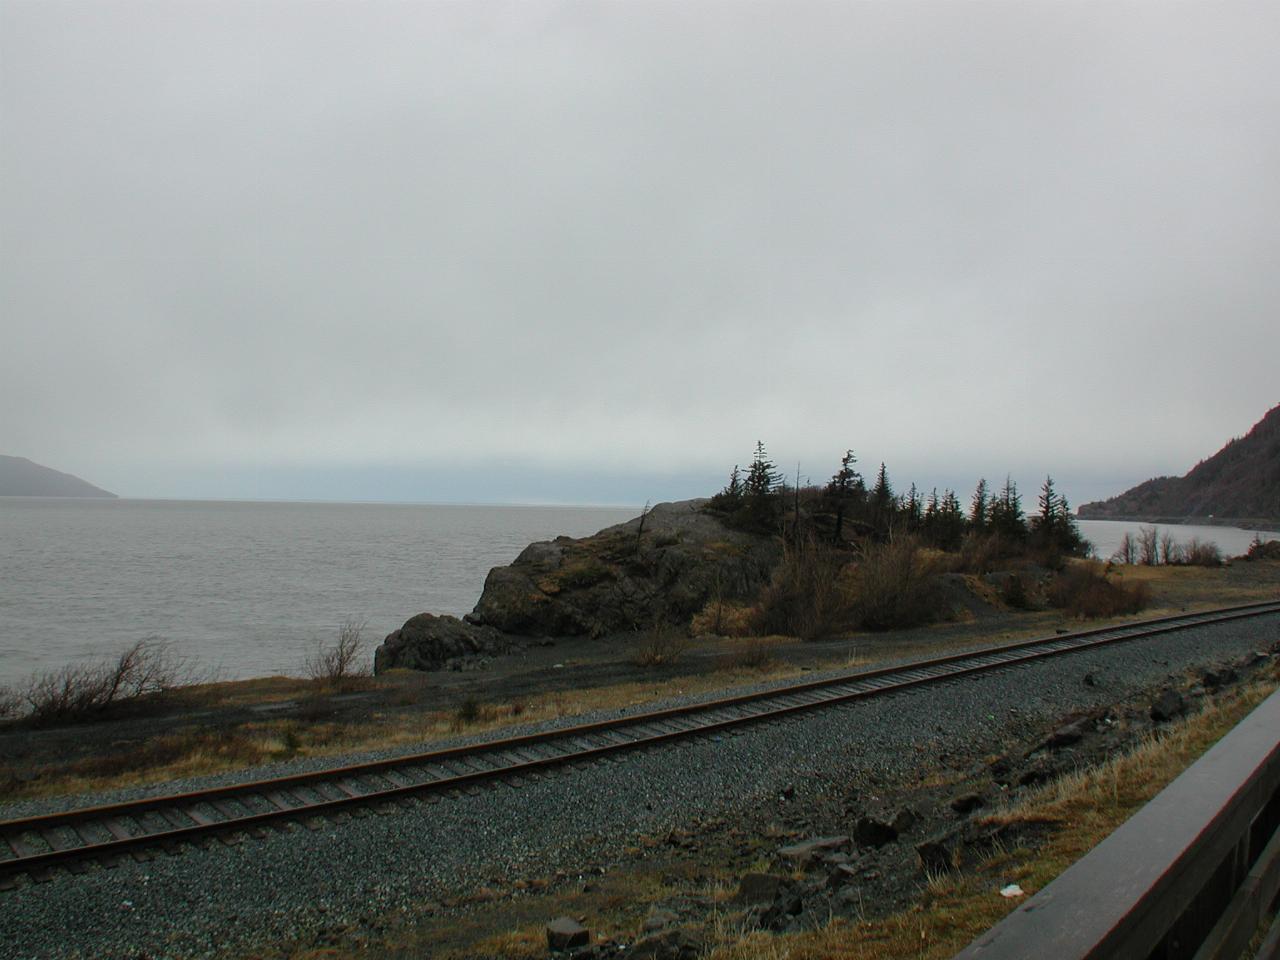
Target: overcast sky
x=590 y=252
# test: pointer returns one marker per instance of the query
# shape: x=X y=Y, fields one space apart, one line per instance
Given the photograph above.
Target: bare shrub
x=1201 y=553
x=1260 y=549
x=660 y=646
x=81 y=691
x=721 y=618
x=978 y=553
x=1127 y=552
x=468 y=712
x=807 y=597
x=1086 y=590
x=338 y=663
x=1149 y=546
x=754 y=653
x=1170 y=552
x=894 y=588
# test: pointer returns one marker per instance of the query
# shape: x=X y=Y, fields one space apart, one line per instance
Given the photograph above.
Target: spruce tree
x=733 y=490
x=762 y=480
x=1007 y=519
x=980 y=508
x=950 y=522
x=882 y=502
x=845 y=486
x=913 y=510
x=1045 y=526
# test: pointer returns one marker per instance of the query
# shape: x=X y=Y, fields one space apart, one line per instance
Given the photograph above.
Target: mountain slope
x=19 y=477
x=1241 y=481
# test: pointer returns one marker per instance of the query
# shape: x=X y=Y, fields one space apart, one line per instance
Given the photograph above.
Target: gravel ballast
x=203 y=902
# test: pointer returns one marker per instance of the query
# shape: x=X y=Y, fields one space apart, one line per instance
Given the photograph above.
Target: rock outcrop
x=626 y=577
x=661 y=568
x=428 y=642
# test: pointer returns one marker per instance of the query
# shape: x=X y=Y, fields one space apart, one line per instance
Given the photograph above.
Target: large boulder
x=660 y=568
x=429 y=642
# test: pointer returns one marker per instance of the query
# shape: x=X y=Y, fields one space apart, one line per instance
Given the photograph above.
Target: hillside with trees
x=1240 y=482
x=20 y=477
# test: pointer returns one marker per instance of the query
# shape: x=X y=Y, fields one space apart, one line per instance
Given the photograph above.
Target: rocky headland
x=658 y=569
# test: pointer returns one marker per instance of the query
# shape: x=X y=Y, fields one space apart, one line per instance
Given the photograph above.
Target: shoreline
x=1268 y=526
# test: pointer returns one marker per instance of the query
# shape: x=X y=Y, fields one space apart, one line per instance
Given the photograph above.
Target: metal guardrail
x=1190 y=876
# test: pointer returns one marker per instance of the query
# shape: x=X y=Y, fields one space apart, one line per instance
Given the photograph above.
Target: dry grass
x=660 y=646
x=955 y=908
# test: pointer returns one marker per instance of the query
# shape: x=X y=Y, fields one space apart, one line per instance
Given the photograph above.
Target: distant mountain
x=1239 y=482
x=19 y=477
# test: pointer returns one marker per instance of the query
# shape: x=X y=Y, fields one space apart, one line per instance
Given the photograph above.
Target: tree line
x=761 y=500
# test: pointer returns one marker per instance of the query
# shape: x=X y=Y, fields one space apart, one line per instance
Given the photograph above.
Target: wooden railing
x=1191 y=876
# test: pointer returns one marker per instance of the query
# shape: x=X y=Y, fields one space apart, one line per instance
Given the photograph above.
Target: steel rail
x=787 y=700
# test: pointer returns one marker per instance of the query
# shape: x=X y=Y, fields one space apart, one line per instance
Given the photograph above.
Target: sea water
x=244 y=589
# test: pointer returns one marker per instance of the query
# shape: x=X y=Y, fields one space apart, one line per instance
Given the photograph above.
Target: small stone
x=1167 y=706
x=904 y=820
x=870 y=832
x=679 y=944
x=844 y=873
x=804 y=855
x=1065 y=736
x=660 y=920
x=759 y=888
x=565 y=933
x=967 y=803
x=935 y=856
x=1090 y=680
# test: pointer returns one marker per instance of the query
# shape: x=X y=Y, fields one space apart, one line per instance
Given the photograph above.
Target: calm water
x=246 y=588
x=1105 y=535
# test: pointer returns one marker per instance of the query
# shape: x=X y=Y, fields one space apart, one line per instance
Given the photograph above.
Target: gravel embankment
x=202 y=902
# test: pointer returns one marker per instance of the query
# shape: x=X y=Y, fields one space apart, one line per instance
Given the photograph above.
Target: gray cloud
x=299 y=240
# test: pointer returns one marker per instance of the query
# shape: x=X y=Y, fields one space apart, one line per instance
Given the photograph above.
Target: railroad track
x=142 y=829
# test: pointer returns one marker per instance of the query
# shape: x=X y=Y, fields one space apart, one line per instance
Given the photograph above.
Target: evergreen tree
x=759 y=488
x=882 y=502
x=913 y=510
x=1007 y=519
x=733 y=490
x=951 y=522
x=729 y=500
x=1045 y=525
x=763 y=477
x=929 y=521
x=845 y=486
x=1054 y=528
x=980 y=508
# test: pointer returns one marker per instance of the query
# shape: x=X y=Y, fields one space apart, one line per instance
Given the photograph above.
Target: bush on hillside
x=894 y=587
x=1086 y=590
x=807 y=597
